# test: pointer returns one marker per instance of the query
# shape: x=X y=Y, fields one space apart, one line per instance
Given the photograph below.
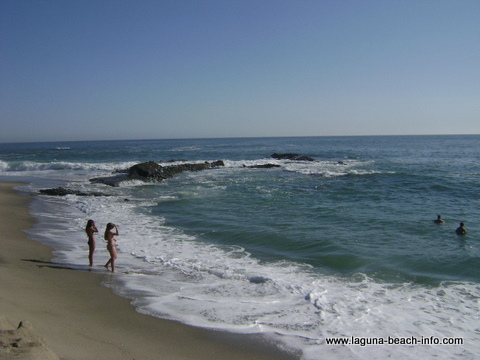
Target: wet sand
x=78 y=319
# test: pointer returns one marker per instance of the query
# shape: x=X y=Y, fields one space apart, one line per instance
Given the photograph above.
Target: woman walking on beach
x=91 y=229
x=109 y=236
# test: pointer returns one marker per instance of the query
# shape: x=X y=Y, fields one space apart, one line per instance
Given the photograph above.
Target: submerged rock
x=258 y=279
x=262 y=166
x=60 y=191
x=291 y=156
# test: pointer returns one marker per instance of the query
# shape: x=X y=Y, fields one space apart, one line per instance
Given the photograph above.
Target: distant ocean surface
x=342 y=246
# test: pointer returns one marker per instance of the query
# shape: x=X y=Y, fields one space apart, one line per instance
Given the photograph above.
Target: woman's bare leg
x=91 y=250
x=113 y=256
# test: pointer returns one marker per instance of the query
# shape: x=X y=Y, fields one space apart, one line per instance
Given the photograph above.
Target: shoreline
x=82 y=320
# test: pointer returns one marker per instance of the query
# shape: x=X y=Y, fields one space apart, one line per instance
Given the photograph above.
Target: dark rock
x=258 y=279
x=148 y=170
x=291 y=156
x=60 y=191
x=153 y=172
x=263 y=166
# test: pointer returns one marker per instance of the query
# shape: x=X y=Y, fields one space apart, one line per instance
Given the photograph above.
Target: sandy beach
x=76 y=318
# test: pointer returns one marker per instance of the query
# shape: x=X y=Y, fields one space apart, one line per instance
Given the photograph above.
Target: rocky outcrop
x=291 y=156
x=153 y=172
x=60 y=191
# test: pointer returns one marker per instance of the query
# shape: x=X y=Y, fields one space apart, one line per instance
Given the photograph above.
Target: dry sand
x=67 y=313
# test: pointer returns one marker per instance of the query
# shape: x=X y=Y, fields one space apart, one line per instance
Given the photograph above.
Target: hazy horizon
x=106 y=70
x=235 y=137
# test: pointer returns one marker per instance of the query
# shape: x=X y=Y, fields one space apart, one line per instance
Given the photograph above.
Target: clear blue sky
x=121 y=69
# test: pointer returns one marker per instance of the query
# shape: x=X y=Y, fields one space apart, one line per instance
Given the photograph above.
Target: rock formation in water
x=60 y=191
x=153 y=172
x=291 y=156
x=262 y=166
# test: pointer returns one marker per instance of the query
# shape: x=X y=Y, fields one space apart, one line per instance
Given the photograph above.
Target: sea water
x=342 y=247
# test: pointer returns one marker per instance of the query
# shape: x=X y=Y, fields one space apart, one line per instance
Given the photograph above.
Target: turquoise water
x=361 y=215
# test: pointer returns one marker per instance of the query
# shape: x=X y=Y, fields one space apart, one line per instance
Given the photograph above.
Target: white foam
x=33 y=167
x=172 y=275
x=185 y=148
x=3 y=166
x=331 y=168
x=319 y=168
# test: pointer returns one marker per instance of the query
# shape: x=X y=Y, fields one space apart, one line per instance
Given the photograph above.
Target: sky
x=157 y=69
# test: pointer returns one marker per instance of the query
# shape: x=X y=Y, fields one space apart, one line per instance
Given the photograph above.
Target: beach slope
x=78 y=319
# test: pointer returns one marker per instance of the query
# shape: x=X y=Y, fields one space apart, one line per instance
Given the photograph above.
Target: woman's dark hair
x=90 y=223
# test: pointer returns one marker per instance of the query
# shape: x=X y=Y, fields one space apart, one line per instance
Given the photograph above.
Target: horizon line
x=226 y=137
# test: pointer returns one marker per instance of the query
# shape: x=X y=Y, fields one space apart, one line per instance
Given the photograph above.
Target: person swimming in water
x=91 y=229
x=439 y=220
x=461 y=229
x=109 y=237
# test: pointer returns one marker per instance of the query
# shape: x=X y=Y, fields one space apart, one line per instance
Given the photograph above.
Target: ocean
x=343 y=247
